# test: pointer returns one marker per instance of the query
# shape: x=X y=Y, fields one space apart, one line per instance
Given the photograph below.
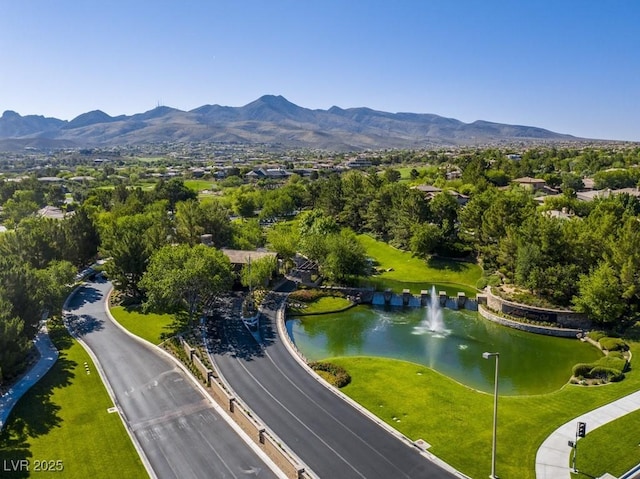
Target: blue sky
x=572 y=66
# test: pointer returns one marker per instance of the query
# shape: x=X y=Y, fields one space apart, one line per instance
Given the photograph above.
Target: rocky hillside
x=269 y=119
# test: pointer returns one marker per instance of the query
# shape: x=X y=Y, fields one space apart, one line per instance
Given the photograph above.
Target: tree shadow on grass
x=180 y=323
x=446 y=265
x=36 y=414
x=633 y=332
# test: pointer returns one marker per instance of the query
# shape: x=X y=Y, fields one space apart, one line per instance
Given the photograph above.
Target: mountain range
x=268 y=120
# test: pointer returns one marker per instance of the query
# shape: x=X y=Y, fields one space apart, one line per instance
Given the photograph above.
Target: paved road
x=327 y=433
x=179 y=430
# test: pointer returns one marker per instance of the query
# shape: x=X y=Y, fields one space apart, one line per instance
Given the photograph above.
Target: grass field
x=612 y=448
x=409 y=269
x=198 y=185
x=152 y=327
x=325 y=304
x=64 y=418
x=457 y=421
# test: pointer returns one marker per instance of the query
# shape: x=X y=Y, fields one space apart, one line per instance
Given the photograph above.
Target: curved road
x=179 y=430
x=327 y=433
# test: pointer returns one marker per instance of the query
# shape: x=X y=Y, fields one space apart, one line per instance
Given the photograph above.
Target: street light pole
x=495 y=413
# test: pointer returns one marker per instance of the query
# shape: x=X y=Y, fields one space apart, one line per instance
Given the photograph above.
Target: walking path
x=48 y=356
x=554 y=455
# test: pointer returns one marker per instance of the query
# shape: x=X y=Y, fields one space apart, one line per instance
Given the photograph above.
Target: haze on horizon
x=570 y=66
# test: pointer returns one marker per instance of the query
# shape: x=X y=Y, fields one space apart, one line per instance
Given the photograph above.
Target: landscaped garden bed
x=316 y=301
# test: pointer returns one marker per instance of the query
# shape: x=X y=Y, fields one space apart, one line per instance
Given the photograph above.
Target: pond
x=529 y=363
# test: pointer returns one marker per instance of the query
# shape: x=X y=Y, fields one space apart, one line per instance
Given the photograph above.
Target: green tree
x=244 y=205
x=258 y=273
x=54 y=285
x=284 y=239
x=425 y=239
x=81 y=238
x=346 y=258
x=356 y=198
x=392 y=175
x=625 y=258
x=247 y=234
x=125 y=243
x=13 y=342
x=215 y=221
x=600 y=295
x=173 y=191
x=189 y=222
x=329 y=198
x=187 y=277
x=21 y=205
x=444 y=212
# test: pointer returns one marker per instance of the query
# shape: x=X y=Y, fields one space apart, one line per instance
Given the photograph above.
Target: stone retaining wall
x=565 y=318
x=532 y=328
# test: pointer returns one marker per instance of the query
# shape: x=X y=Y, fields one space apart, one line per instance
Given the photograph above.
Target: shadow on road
x=89 y=295
x=231 y=337
x=83 y=324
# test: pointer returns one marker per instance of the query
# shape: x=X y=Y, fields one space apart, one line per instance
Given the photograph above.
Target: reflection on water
x=529 y=363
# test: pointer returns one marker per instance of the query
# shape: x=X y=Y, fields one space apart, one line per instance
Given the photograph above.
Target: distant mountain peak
x=89 y=118
x=10 y=114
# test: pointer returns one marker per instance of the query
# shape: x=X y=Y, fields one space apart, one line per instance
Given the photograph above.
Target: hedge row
x=609 y=369
x=310 y=295
x=613 y=344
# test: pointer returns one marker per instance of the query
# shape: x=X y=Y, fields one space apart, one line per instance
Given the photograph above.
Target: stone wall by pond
x=531 y=328
x=564 y=318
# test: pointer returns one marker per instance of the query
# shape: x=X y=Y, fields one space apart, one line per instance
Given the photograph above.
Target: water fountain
x=433 y=315
x=432 y=322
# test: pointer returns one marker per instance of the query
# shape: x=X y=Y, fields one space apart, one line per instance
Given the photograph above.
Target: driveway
x=179 y=431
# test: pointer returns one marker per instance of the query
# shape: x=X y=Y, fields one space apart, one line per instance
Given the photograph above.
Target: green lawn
x=410 y=269
x=155 y=328
x=64 y=418
x=325 y=304
x=457 y=421
x=198 y=185
x=612 y=448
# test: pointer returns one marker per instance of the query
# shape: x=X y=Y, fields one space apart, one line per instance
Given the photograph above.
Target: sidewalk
x=48 y=356
x=554 y=455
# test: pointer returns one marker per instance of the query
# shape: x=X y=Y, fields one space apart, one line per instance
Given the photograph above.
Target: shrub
x=311 y=295
x=582 y=370
x=612 y=362
x=609 y=374
x=338 y=376
x=596 y=335
x=613 y=344
x=615 y=354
